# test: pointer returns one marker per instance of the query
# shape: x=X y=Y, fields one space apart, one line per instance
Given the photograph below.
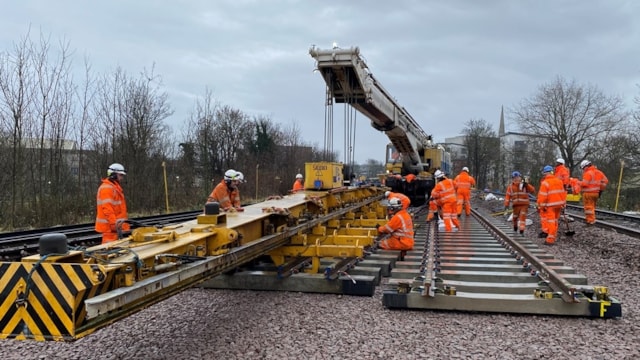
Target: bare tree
x=483 y=146
x=16 y=82
x=574 y=117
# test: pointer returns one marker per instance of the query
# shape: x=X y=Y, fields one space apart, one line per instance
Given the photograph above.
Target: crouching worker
x=399 y=228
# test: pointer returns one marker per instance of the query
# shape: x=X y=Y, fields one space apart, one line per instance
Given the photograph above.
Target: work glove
x=429 y=217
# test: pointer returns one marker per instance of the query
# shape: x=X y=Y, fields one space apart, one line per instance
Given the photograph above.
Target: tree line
x=568 y=120
x=58 y=136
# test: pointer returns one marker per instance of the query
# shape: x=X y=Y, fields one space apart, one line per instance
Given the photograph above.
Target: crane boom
x=350 y=81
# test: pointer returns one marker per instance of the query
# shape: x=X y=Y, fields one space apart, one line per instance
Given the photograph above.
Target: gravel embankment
x=223 y=324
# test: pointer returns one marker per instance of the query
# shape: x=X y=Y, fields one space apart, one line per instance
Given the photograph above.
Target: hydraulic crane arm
x=349 y=81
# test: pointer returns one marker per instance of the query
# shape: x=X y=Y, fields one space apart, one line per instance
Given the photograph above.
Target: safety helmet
x=394 y=204
x=584 y=164
x=299 y=176
x=560 y=161
x=439 y=174
x=516 y=174
x=465 y=169
x=387 y=193
x=239 y=177
x=116 y=168
x=230 y=175
x=547 y=169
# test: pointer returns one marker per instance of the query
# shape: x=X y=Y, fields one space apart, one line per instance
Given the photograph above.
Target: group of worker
x=449 y=197
x=555 y=184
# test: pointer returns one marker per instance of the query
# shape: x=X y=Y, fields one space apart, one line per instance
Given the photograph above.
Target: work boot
x=548 y=243
x=515 y=229
x=542 y=235
x=522 y=233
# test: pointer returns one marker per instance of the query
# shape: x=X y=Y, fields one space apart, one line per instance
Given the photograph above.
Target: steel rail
x=552 y=278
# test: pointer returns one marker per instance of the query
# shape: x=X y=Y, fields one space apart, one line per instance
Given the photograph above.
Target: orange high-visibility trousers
x=589 y=200
x=551 y=216
x=450 y=216
x=520 y=216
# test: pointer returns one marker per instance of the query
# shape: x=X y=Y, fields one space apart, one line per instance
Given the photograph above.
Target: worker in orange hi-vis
x=298 y=184
x=562 y=173
x=594 y=182
x=111 y=207
x=551 y=200
x=226 y=193
x=444 y=194
x=517 y=195
x=433 y=210
x=397 y=233
x=463 y=183
x=409 y=178
x=404 y=199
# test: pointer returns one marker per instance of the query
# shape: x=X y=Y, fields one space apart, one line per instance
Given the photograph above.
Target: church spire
x=501 y=129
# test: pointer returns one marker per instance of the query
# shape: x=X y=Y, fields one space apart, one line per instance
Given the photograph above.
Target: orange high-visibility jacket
x=400 y=226
x=298 y=186
x=110 y=207
x=409 y=178
x=518 y=194
x=404 y=199
x=464 y=181
x=225 y=196
x=593 y=180
x=444 y=192
x=562 y=173
x=551 y=192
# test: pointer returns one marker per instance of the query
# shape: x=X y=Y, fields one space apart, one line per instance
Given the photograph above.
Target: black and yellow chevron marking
x=54 y=305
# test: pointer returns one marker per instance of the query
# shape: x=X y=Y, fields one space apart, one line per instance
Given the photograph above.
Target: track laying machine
x=64 y=293
x=411 y=150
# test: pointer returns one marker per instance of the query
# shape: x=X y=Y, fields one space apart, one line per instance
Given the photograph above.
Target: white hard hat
x=465 y=169
x=438 y=174
x=584 y=164
x=299 y=176
x=395 y=204
x=116 y=168
x=239 y=177
x=230 y=174
x=560 y=161
x=387 y=193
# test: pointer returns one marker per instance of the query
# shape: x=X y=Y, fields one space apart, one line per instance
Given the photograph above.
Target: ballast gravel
x=227 y=324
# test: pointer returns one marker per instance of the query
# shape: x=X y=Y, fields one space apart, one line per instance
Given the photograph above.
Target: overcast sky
x=446 y=62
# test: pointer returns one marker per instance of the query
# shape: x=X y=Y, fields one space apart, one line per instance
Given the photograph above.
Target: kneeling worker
x=399 y=228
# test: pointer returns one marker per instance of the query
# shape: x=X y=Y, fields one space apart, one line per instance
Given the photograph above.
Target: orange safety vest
x=400 y=226
x=593 y=180
x=464 y=181
x=110 y=207
x=562 y=173
x=225 y=196
x=298 y=186
x=518 y=194
x=551 y=192
x=404 y=199
x=409 y=178
x=444 y=192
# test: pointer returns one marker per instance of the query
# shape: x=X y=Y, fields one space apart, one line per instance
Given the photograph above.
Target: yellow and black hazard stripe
x=45 y=301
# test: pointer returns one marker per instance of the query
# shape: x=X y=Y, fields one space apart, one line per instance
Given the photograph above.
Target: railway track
x=14 y=245
x=615 y=221
x=482 y=267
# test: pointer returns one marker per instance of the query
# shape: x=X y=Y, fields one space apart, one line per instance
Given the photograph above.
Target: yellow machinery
x=323 y=175
x=64 y=294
